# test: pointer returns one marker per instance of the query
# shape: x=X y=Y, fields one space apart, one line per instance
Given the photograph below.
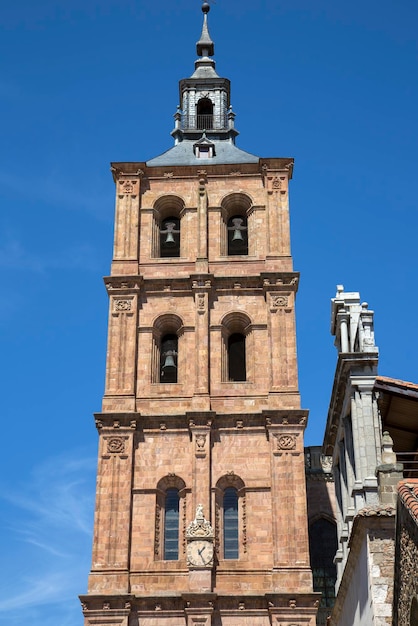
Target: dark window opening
x=322 y=549
x=170 y=237
x=171 y=525
x=205 y=114
x=237 y=235
x=230 y=507
x=237 y=370
x=168 y=359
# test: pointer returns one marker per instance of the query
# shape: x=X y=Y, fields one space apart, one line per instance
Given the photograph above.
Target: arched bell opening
x=237 y=225
x=205 y=114
x=237 y=368
x=168 y=211
x=168 y=358
x=170 y=237
x=237 y=347
x=237 y=235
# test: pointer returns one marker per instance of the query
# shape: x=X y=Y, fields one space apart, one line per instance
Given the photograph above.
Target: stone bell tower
x=201 y=505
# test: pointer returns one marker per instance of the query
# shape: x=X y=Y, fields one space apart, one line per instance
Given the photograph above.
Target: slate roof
x=183 y=154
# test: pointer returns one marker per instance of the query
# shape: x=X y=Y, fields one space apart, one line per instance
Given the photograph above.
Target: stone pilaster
x=289 y=509
x=125 y=250
x=112 y=524
x=122 y=344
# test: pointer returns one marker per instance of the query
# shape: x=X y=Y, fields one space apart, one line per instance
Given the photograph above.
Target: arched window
x=230 y=523
x=169 y=511
x=205 y=114
x=166 y=229
x=171 y=525
x=236 y=223
x=237 y=235
x=170 y=237
x=168 y=358
x=237 y=368
x=322 y=548
x=237 y=347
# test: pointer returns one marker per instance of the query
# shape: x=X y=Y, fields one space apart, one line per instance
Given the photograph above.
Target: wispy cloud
x=54 y=189
x=48 y=523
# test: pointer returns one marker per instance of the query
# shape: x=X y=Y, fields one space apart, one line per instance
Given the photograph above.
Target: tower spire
x=205 y=46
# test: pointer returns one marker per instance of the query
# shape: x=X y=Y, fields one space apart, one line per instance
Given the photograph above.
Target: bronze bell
x=237 y=236
x=169 y=240
x=169 y=364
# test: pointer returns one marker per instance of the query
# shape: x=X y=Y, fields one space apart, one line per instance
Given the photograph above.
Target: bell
x=169 y=364
x=169 y=240
x=237 y=226
x=237 y=236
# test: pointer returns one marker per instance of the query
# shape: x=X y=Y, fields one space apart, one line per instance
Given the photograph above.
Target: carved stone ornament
x=201 y=302
x=116 y=445
x=276 y=183
x=326 y=462
x=200 y=527
x=200 y=442
x=122 y=305
x=128 y=187
x=279 y=301
x=286 y=442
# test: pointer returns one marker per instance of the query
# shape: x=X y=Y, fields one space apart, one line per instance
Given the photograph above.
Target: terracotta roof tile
x=408 y=493
x=396 y=382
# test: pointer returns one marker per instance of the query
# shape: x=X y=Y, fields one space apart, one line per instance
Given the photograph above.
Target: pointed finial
x=205 y=46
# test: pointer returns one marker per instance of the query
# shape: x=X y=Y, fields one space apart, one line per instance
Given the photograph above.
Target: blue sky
x=86 y=82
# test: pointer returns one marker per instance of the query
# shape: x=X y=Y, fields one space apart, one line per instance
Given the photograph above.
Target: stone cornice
x=283 y=420
x=123 y=284
x=271 y=282
x=140 y=169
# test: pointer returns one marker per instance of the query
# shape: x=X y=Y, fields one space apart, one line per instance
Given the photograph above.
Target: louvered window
x=171 y=525
x=230 y=508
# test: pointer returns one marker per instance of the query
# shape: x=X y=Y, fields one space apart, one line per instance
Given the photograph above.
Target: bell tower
x=201 y=506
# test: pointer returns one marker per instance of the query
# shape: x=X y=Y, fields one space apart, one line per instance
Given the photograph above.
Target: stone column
x=343 y=318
